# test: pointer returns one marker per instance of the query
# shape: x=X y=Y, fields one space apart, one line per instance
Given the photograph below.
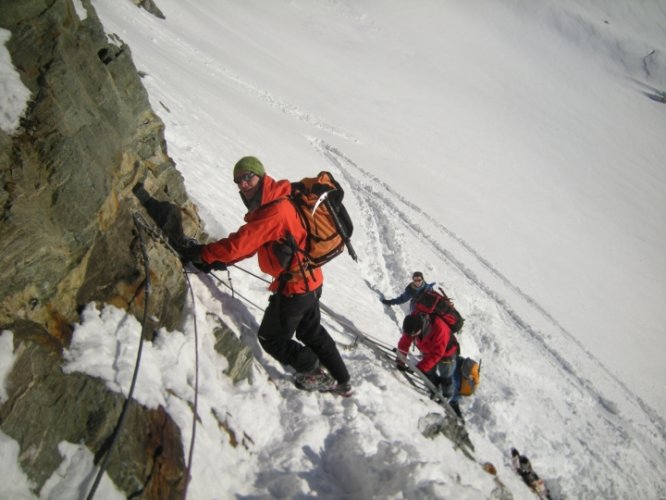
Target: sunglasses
x=244 y=178
x=417 y=280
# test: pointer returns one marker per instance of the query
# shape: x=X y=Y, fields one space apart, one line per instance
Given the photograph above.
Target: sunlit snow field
x=513 y=151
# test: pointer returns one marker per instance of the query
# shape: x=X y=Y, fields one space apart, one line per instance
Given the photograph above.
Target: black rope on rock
x=222 y=282
x=156 y=234
x=195 y=411
x=128 y=399
x=252 y=274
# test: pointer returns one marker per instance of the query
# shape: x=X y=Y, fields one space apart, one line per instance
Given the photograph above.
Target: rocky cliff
x=88 y=156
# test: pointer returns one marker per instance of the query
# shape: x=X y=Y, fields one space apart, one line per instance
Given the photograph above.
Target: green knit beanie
x=249 y=164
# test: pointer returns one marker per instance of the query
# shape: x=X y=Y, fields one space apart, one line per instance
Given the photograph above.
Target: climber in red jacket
x=272 y=228
x=439 y=349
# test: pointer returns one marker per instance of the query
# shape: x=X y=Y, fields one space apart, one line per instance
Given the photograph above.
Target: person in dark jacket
x=522 y=465
x=293 y=309
x=439 y=350
x=412 y=291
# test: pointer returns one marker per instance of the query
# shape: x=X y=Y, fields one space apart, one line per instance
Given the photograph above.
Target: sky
x=512 y=151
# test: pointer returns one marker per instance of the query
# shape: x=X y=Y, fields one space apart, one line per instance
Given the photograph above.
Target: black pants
x=300 y=314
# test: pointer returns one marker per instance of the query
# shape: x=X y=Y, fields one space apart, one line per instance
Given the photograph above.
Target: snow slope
x=528 y=125
x=510 y=150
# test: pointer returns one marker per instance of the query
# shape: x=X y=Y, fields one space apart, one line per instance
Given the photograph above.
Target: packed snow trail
x=396 y=226
x=380 y=213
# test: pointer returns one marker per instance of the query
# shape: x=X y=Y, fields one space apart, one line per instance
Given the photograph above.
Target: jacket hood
x=272 y=189
x=269 y=190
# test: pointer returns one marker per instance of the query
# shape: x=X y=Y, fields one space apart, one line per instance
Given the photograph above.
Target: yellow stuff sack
x=469 y=375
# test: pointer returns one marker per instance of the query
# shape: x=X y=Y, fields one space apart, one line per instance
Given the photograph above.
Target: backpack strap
x=287 y=249
x=453 y=341
x=287 y=275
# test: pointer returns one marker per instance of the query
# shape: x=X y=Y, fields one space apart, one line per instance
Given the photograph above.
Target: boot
x=315 y=380
x=456 y=408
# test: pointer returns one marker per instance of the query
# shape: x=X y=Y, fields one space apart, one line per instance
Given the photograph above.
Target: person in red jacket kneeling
x=439 y=349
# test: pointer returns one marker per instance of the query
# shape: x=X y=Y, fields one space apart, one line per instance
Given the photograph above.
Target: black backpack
x=439 y=304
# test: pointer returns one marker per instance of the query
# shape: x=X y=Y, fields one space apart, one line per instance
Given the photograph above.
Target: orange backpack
x=469 y=375
x=318 y=201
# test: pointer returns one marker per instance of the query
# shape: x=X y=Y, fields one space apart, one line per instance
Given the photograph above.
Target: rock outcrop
x=47 y=406
x=87 y=140
x=89 y=155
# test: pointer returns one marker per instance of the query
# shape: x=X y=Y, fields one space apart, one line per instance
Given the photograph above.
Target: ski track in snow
x=388 y=225
x=378 y=205
x=223 y=73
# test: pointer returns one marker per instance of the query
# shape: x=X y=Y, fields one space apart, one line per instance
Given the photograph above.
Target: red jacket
x=432 y=343
x=272 y=221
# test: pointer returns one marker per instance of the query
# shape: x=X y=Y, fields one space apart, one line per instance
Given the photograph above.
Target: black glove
x=206 y=268
x=202 y=266
x=190 y=250
x=403 y=368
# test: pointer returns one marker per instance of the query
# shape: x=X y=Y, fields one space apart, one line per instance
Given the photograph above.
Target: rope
x=195 y=411
x=154 y=232
x=157 y=234
x=123 y=413
x=261 y=278
x=222 y=282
